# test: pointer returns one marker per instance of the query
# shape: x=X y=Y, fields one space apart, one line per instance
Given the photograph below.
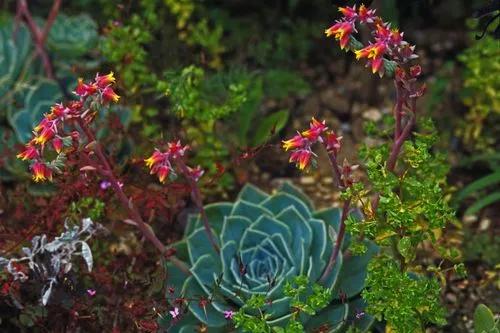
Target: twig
x=39 y=36
x=338 y=243
x=196 y=196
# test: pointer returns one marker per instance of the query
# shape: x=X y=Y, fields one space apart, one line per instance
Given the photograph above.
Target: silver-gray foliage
x=47 y=260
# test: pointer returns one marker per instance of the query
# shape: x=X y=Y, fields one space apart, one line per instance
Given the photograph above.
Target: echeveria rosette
x=276 y=236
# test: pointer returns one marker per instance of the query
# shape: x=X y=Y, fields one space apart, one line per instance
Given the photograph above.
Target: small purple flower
x=105 y=185
x=359 y=314
x=91 y=292
x=228 y=314
x=175 y=313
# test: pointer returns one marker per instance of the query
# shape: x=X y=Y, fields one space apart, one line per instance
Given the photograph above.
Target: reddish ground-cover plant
x=51 y=140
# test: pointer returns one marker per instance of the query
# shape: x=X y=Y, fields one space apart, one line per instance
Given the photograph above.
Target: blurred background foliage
x=228 y=76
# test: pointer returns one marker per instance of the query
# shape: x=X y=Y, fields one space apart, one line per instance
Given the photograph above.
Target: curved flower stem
x=198 y=201
x=107 y=172
x=338 y=243
x=398 y=108
x=345 y=211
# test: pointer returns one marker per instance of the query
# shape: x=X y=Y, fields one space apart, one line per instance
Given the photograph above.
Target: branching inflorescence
x=406 y=203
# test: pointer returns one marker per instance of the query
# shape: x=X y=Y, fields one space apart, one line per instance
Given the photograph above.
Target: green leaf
x=478 y=185
x=389 y=67
x=484 y=320
x=405 y=247
x=269 y=126
x=483 y=202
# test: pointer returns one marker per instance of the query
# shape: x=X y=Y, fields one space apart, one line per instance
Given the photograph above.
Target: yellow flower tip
x=149 y=162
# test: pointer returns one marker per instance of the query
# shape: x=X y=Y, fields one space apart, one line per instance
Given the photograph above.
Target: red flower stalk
x=333 y=142
x=387 y=42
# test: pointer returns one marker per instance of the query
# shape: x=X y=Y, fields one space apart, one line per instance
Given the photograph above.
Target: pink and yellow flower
x=28 y=154
x=57 y=111
x=296 y=142
x=348 y=12
x=109 y=95
x=175 y=149
x=301 y=158
x=375 y=53
x=333 y=142
x=41 y=172
x=83 y=89
x=162 y=172
x=366 y=15
x=396 y=36
x=156 y=158
x=57 y=143
x=341 y=31
x=315 y=129
x=103 y=81
x=46 y=134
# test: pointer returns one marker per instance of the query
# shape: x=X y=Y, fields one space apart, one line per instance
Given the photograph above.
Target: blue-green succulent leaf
x=332 y=217
x=281 y=201
x=216 y=213
x=249 y=210
x=234 y=227
x=353 y=274
x=251 y=193
x=288 y=187
x=208 y=315
x=271 y=227
x=206 y=270
x=363 y=321
x=199 y=245
x=318 y=248
x=333 y=318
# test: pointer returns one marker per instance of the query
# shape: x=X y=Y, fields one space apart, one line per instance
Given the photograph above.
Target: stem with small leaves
x=107 y=171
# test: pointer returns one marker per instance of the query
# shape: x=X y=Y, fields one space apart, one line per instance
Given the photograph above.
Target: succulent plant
x=275 y=237
x=15 y=47
x=72 y=36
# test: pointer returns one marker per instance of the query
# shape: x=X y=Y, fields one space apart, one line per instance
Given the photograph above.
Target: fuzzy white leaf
x=27 y=251
x=87 y=255
x=46 y=294
x=86 y=224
